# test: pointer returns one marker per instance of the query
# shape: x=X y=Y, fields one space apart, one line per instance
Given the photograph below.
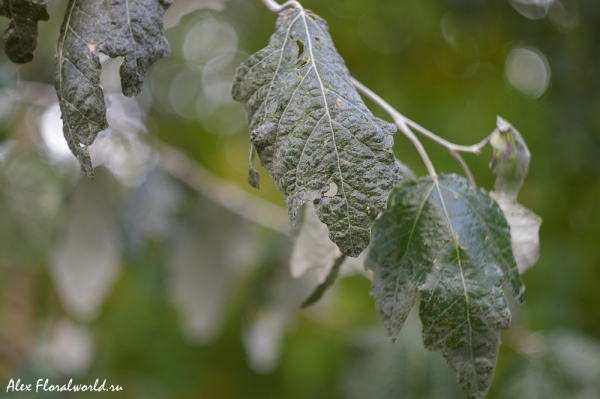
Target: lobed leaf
x=313 y=132
x=129 y=28
x=20 y=39
x=450 y=245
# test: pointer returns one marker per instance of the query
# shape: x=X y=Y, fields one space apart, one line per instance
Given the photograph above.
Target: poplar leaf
x=510 y=162
x=450 y=245
x=332 y=276
x=20 y=39
x=312 y=248
x=510 y=165
x=313 y=132
x=132 y=29
x=524 y=231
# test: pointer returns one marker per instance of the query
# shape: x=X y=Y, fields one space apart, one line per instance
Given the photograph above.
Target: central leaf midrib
x=462 y=276
x=312 y=60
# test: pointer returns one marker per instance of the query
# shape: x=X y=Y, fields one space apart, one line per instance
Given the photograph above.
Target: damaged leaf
x=510 y=165
x=450 y=245
x=313 y=132
x=118 y=28
x=20 y=39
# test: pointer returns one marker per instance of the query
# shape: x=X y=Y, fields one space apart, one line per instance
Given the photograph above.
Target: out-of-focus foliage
x=451 y=65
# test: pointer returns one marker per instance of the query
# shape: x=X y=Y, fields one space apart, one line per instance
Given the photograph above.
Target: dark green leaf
x=313 y=132
x=329 y=280
x=20 y=39
x=450 y=245
x=120 y=28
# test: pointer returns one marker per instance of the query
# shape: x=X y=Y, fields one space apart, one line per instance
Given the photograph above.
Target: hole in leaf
x=318 y=43
x=300 y=44
x=304 y=63
x=333 y=188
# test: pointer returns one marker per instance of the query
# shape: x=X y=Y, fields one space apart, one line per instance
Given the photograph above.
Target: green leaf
x=511 y=158
x=510 y=165
x=118 y=28
x=450 y=245
x=313 y=132
x=20 y=39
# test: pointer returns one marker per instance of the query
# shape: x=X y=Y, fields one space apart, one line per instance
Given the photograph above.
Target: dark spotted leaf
x=313 y=132
x=450 y=245
x=119 y=28
x=20 y=39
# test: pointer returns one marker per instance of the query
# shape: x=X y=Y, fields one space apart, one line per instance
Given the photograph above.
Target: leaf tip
x=254 y=179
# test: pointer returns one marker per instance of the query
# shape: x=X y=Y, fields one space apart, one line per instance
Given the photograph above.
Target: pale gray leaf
x=20 y=39
x=313 y=250
x=202 y=266
x=524 y=230
x=330 y=279
x=510 y=165
x=71 y=348
x=132 y=29
x=311 y=128
x=87 y=259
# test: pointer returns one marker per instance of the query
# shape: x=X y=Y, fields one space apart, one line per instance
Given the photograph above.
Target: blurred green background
x=156 y=276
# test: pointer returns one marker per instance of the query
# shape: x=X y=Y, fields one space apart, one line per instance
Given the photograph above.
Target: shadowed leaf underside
x=450 y=246
x=20 y=39
x=313 y=132
x=132 y=29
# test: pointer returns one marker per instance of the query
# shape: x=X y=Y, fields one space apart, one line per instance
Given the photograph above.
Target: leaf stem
x=473 y=149
x=400 y=121
x=276 y=8
x=465 y=168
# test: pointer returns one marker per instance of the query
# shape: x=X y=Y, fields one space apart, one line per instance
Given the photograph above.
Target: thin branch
x=473 y=149
x=400 y=121
x=465 y=168
x=276 y=8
